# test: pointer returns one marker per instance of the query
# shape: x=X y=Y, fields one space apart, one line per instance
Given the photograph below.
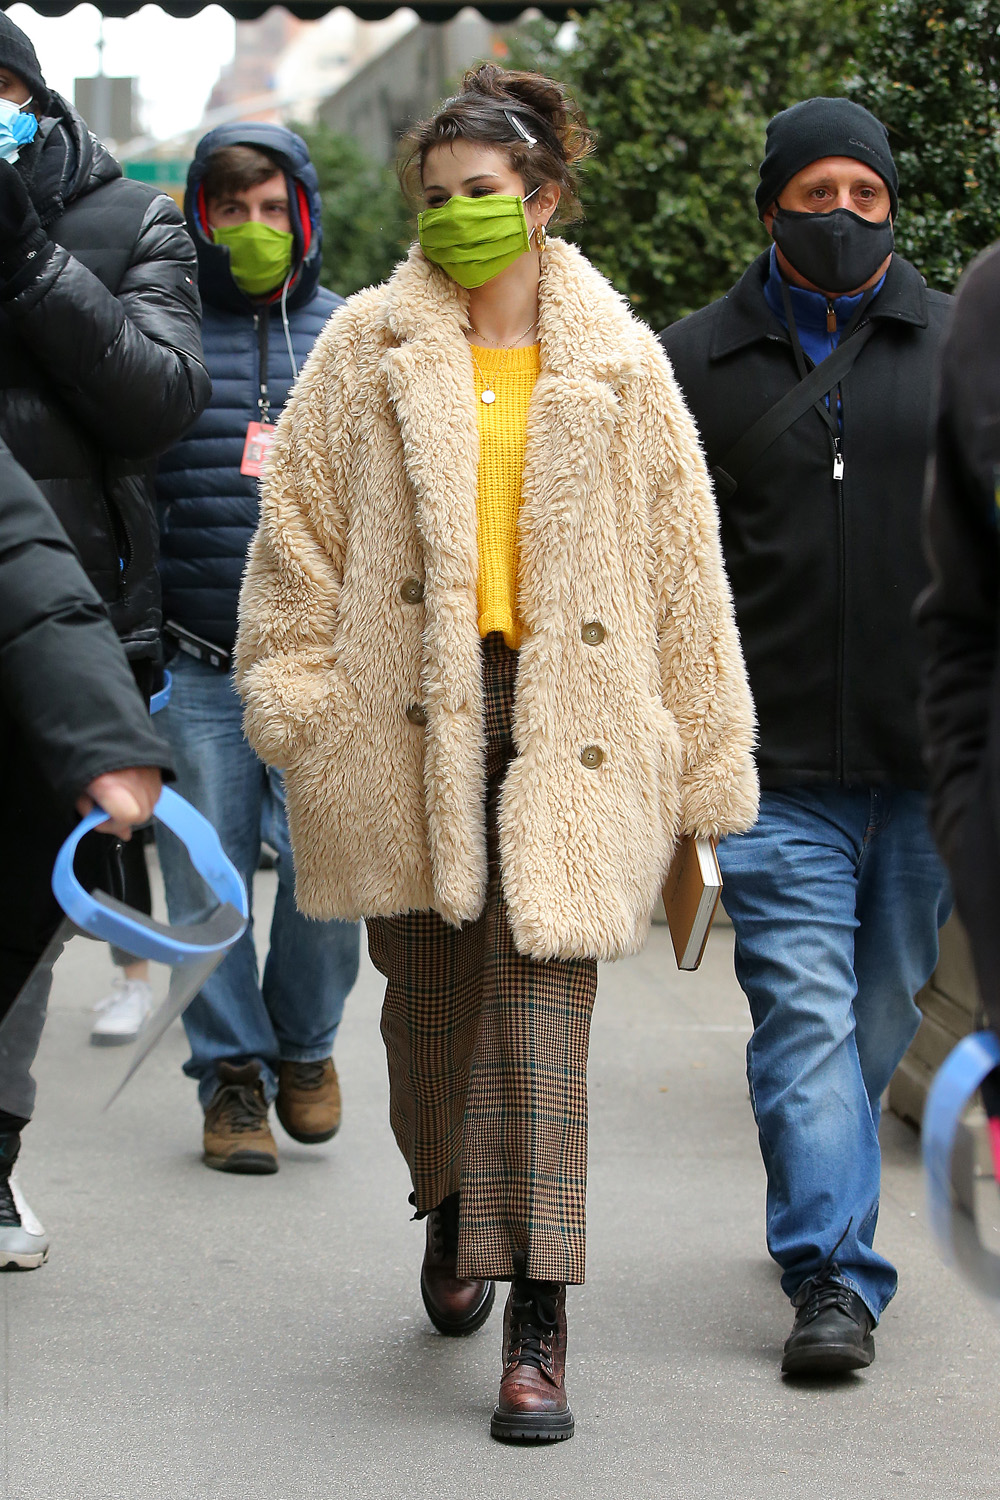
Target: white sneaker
x=121 y=1014
x=24 y=1245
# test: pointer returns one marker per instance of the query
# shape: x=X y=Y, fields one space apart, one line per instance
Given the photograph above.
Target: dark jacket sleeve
x=64 y=681
x=129 y=364
x=960 y=612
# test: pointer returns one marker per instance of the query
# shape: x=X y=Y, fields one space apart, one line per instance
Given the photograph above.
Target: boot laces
x=819 y=1296
x=825 y=1289
x=444 y=1227
x=309 y=1075
x=533 y=1319
x=242 y=1107
x=10 y=1218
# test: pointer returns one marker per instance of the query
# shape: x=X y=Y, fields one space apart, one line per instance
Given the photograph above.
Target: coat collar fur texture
x=373 y=481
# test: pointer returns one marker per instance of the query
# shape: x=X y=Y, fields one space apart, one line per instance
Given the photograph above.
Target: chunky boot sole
x=475 y=1320
x=249 y=1163
x=828 y=1359
x=305 y=1140
x=532 y=1426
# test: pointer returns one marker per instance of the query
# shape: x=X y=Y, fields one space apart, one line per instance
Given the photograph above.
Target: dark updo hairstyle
x=482 y=112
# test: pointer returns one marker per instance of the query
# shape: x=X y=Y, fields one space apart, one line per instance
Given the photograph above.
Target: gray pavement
x=196 y=1334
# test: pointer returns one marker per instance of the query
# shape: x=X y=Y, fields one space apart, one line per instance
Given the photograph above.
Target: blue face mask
x=16 y=128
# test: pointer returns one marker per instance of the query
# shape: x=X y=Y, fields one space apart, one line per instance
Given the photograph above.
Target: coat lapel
x=429 y=378
x=589 y=350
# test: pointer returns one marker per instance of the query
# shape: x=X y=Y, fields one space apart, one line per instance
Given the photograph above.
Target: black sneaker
x=24 y=1245
x=832 y=1332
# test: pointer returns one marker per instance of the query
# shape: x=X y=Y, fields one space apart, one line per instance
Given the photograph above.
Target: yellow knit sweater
x=503 y=429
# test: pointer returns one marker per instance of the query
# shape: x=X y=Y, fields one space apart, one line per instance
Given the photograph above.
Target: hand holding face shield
x=189 y=952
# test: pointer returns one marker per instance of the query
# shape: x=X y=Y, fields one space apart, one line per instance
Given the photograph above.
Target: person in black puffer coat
x=73 y=731
x=253 y=209
x=100 y=369
x=100 y=349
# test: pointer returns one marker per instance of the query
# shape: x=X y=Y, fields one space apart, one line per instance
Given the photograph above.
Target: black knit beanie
x=18 y=54
x=817 y=128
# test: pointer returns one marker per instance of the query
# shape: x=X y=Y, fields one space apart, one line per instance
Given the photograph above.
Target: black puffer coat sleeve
x=65 y=685
x=129 y=365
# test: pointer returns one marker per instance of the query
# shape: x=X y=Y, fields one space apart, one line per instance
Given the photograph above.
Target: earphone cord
x=284 y=324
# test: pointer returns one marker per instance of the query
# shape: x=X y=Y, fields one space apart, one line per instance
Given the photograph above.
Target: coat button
x=417 y=714
x=592 y=756
x=412 y=591
x=593 y=633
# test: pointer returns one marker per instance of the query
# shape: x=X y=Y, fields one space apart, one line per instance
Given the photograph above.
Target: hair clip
x=522 y=131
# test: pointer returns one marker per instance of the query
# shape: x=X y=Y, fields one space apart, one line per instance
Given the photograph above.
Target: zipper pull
x=838 y=459
x=831 y=318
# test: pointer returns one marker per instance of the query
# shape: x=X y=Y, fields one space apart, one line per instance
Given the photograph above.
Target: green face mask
x=259 y=257
x=474 y=239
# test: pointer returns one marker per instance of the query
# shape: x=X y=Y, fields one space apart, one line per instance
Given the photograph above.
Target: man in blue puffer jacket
x=253 y=210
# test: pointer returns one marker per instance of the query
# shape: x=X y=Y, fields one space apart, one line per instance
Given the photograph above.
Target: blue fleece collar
x=809 y=309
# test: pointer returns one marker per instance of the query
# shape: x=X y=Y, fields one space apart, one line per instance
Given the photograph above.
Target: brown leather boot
x=237 y=1135
x=455 y=1306
x=308 y=1102
x=532 y=1407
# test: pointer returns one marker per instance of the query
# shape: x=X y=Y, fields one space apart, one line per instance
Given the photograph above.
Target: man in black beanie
x=811 y=382
x=100 y=370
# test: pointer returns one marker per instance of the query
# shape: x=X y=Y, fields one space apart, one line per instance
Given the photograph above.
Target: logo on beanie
x=863 y=146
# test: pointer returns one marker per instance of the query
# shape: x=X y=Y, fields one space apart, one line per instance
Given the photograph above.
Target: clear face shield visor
x=72 y=973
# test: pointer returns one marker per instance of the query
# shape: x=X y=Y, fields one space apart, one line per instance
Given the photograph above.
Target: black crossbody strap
x=731 y=468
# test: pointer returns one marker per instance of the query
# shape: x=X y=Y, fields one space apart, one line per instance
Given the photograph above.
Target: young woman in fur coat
x=486 y=631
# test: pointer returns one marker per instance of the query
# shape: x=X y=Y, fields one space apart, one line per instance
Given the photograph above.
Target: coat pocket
x=291 y=706
x=588 y=821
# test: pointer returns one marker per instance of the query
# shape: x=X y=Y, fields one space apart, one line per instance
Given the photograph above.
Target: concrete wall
x=405 y=83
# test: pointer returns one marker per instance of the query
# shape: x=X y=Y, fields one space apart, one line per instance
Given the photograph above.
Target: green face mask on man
x=259 y=257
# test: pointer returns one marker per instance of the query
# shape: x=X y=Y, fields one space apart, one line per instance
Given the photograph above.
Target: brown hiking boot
x=532 y=1407
x=308 y=1102
x=237 y=1135
x=454 y=1305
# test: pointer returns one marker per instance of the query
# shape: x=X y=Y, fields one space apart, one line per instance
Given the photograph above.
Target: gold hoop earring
x=541 y=238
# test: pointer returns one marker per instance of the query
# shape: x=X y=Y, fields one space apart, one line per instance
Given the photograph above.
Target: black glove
x=21 y=233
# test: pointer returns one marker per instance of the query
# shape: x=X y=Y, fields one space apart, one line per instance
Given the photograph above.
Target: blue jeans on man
x=290 y=1013
x=836 y=896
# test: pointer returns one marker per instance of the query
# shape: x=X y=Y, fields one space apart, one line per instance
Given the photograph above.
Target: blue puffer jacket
x=208 y=509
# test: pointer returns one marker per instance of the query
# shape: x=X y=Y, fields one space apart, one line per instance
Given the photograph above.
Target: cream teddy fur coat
x=358 y=654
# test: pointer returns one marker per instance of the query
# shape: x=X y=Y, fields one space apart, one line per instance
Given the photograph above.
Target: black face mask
x=838 y=251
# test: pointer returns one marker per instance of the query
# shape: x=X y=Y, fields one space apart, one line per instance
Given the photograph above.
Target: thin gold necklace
x=488 y=395
x=496 y=342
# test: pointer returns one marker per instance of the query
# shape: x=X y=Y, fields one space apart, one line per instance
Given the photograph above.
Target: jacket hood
x=66 y=160
x=289 y=150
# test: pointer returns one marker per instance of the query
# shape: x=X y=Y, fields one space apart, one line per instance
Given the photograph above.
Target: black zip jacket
x=100 y=360
x=960 y=617
x=824 y=572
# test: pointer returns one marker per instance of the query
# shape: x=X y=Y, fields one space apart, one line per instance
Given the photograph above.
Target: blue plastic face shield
x=962 y=1161
x=75 y=969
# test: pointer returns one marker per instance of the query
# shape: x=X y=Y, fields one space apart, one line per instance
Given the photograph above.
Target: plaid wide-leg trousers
x=487 y=1053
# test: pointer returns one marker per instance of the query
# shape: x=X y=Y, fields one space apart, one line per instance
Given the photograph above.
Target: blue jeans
x=292 y=1014
x=836 y=896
